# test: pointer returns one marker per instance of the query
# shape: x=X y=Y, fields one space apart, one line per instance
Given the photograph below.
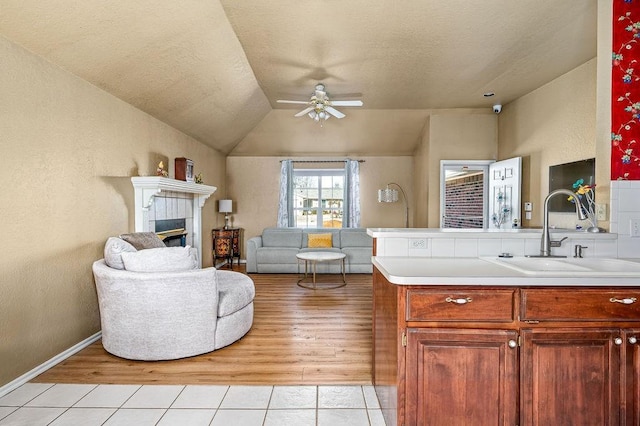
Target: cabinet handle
x=513 y=343
x=459 y=301
x=625 y=301
x=633 y=340
x=617 y=341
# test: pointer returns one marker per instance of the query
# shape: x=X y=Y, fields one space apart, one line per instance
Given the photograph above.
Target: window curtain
x=285 y=204
x=352 y=194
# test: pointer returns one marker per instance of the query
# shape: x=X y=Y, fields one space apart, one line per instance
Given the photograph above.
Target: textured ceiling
x=214 y=69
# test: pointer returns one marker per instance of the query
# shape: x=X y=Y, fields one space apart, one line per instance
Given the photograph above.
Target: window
x=318 y=198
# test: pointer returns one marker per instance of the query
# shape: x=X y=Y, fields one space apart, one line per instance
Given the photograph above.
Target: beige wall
x=603 y=106
x=421 y=177
x=253 y=183
x=449 y=135
x=68 y=150
x=554 y=124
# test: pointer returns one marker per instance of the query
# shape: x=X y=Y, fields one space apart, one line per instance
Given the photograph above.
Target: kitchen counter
x=478 y=272
x=529 y=233
x=469 y=337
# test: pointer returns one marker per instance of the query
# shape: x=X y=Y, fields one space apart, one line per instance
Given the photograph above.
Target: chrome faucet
x=545 y=242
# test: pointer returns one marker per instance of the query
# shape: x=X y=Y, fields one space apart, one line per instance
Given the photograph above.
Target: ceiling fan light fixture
x=319 y=107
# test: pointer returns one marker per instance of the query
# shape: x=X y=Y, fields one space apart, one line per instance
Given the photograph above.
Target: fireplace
x=172 y=232
x=160 y=199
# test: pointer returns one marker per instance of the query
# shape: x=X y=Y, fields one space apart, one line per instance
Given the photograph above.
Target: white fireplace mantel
x=147 y=188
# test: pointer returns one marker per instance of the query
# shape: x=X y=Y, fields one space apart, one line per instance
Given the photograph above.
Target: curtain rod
x=321 y=161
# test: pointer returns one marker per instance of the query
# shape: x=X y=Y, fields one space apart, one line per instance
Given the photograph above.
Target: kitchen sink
x=555 y=266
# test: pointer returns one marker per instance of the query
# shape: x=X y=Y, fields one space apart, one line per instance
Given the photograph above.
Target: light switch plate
x=634 y=227
x=528 y=206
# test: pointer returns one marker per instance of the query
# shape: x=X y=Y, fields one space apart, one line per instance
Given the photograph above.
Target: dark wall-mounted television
x=564 y=176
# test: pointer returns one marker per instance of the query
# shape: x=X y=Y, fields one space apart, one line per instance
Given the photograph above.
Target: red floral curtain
x=625 y=91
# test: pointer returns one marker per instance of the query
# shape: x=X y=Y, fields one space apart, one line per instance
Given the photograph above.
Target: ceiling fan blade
x=346 y=103
x=280 y=101
x=304 y=111
x=334 y=112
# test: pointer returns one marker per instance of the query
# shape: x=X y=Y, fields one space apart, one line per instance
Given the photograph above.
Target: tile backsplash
x=625 y=207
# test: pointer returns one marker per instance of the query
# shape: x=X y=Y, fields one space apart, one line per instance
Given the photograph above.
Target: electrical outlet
x=601 y=211
x=528 y=206
x=418 y=243
x=634 y=226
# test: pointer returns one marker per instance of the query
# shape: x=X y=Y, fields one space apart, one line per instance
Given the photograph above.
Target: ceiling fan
x=320 y=108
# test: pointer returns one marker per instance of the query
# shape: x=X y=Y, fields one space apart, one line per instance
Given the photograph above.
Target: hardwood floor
x=299 y=336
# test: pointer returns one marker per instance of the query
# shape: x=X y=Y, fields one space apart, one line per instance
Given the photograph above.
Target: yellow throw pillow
x=320 y=240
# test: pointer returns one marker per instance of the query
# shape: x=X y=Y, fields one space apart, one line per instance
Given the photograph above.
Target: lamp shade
x=387 y=195
x=225 y=206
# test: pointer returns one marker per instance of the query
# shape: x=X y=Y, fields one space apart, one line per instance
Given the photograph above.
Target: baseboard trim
x=14 y=384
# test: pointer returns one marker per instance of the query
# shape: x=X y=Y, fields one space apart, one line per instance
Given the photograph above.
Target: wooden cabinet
x=467 y=305
x=462 y=377
x=506 y=355
x=226 y=244
x=630 y=381
x=570 y=377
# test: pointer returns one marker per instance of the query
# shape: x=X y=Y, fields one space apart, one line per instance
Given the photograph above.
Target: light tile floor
x=36 y=404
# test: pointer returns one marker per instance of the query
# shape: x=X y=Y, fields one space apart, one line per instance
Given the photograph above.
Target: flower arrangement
x=585 y=196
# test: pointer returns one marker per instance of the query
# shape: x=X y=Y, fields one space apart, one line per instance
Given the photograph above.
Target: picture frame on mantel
x=184 y=169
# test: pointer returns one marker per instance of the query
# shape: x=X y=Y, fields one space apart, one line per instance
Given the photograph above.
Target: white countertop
x=481 y=233
x=475 y=271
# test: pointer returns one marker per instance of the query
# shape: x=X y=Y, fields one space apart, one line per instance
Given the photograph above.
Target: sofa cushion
x=358 y=254
x=328 y=249
x=165 y=259
x=335 y=236
x=355 y=237
x=235 y=291
x=319 y=240
x=282 y=237
x=276 y=255
x=113 y=249
x=143 y=240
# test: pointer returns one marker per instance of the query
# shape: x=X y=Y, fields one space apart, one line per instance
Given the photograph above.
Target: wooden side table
x=226 y=244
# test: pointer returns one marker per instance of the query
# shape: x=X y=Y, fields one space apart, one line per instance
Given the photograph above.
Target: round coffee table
x=314 y=257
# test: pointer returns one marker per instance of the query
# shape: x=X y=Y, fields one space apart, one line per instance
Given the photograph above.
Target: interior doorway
x=463 y=186
x=481 y=194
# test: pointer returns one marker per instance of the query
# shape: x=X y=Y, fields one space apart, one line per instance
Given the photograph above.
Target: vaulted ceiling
x=215 y=68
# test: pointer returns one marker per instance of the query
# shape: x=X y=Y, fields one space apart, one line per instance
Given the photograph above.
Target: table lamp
x=226 y=207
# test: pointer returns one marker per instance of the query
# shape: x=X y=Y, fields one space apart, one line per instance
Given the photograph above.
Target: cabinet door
x=570 y=377
x=456 y=377
x=631 y=378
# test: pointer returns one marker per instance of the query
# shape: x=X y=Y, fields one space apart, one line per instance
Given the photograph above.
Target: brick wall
x=463 y=202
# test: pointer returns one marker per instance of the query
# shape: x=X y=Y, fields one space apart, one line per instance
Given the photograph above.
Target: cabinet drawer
x=462 y=305
x=580 y=305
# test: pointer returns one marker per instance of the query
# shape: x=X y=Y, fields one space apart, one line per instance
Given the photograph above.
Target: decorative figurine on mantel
x=160 y=171
x=198 y=178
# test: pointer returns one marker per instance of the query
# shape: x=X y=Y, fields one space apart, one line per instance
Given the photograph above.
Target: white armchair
x=170 y=315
